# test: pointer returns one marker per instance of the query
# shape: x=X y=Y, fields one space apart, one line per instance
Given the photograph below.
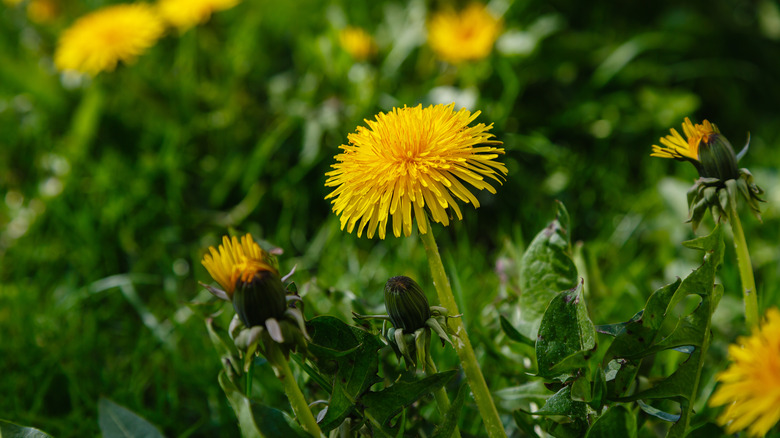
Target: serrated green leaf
x=512 y=333
x=660 y=328
x=450 y=421
x=617 y=421
x=119 y=422
x=352 y=354
x=256 y=420
x=11 y=430
x=385 y=404
x=546 y=268
x=567 y=336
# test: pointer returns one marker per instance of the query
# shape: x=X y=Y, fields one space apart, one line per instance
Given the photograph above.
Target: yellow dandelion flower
x=750 y=387
x=357 y=42
x=408 y=159
x=236 y=260
x=97 y=41
x=184 y=14
x=465 y=36
x=675 y=146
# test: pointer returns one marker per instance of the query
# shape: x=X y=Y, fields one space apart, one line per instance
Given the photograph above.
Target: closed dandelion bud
x=717 y=158
x=406 y=304
x=260 y=298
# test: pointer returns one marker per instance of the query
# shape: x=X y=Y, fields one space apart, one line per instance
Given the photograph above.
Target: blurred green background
x=111 y=189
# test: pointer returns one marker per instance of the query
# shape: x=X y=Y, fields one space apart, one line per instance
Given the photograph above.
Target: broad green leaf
x=569 y=416
x=566 y=337
x=660 y=328
x=119 y=422
x=256 y=420
x=450 y=421
x=350 y=354
x=11 y=430
x=546 y=268
x=385 y=404
x=617 y=421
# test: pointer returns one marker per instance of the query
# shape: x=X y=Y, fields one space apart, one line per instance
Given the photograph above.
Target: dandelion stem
x=442 y=401
x=294 y=394
x=249 y=374
x=468 y=360
x=745 y=267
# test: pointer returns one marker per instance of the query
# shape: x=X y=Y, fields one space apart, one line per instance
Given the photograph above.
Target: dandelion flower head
x=409 y=159
x=675 y=146
x=98 y=41
x=750 y=387
x=236 y=260
x=184 y=14
x=42 y=11
x=465 y=36
x=357 y=42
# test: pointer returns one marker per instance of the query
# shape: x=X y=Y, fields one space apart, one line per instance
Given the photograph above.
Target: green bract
x=406 y=304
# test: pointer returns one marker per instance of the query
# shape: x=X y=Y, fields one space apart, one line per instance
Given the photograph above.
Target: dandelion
x=253 y=285
x=98 y=41
x=720 y=183
x=408 y=159
x=750 y=387
x=357 y=42
x=465 y=36
x=184 y=14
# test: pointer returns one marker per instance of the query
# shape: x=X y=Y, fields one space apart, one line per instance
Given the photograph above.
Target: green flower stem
x=745 y=267
x=442 y=401
x=294 y=394
x=468 y=360
x=249 y=375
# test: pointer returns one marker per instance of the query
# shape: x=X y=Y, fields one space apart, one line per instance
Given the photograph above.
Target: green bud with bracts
x=259 y=299
x=717 y=158
x=406 y=304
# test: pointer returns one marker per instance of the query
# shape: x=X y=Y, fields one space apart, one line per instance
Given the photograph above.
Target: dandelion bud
x=717 y=158
x=406 y=304
x=260 y=298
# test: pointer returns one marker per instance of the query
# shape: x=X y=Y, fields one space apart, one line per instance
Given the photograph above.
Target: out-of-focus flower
x=184 y=14
x=465 y=36
x=357 y=42
x=750 y=387
x=408 y=159
x=714 y=158
x=98 y=41
x=42 y=11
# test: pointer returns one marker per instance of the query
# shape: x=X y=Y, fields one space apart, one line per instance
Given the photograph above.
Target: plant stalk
x=745 y=267
x=468 y=360
x=442 y=401
x=294 y=394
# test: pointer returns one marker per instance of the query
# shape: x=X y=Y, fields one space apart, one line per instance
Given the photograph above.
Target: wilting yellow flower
x=750 y=387
x=97 y=41
x=677 y=147
x=236 y=260
x=408 y=159
x=357 y=42
x=183 y=14
x=42 y=11
x=465 y=36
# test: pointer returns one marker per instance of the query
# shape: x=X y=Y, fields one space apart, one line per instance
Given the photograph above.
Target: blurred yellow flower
x=465 y=36
x=750 y=387
x=357 y=42
x=675 y=146
x=184 y=14
x=236 y=260
x=408 y=159
x=42 y=11
x=97 y=41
